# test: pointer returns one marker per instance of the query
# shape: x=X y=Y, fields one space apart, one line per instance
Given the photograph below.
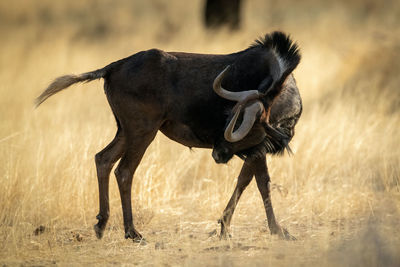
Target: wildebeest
x=174 y=92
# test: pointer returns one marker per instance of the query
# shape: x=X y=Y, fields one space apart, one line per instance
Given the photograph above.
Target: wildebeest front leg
x=263 y=184
x=135 y=148
x=105 y=160
x=245 y=177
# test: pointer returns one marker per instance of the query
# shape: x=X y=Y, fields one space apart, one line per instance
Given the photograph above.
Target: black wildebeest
x=183 y=96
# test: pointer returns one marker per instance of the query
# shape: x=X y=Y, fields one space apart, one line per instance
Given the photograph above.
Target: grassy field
x=339 y=194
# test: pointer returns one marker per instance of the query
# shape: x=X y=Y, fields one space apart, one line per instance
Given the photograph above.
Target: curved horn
x=233 y=96
x=249 y=117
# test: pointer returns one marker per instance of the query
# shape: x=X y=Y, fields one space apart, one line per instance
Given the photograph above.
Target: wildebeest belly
x=183 y=134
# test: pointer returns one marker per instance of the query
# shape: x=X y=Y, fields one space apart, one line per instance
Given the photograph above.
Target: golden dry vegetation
x=339 y=194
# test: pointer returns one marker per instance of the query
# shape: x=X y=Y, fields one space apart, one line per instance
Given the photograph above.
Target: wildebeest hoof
x=100 y=226
x=225 y=235
x=224 y=231
x=135 y=236
x=283 y=234
x=99 y=232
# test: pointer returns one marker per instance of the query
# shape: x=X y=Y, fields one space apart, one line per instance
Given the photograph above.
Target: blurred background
x=339 y=194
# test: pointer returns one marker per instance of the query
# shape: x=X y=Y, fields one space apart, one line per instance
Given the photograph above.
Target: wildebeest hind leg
x=105 y=160
x=134 y=150
x=263 y=184
x=245 y=177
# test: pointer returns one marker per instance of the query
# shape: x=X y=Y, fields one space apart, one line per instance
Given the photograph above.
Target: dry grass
x=341 y=189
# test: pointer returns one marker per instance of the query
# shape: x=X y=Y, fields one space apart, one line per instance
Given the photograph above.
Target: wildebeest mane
x=281 y=43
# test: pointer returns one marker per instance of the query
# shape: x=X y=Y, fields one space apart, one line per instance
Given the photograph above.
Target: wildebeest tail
x=65 y=81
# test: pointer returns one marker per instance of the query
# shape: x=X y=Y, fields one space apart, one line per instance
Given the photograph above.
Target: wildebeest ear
x=265 y=84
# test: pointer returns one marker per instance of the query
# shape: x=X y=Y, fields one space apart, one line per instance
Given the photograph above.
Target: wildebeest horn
x=249 y=117
x=234 y=96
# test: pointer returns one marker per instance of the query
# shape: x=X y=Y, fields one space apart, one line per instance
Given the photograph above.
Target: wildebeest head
x=262 y=68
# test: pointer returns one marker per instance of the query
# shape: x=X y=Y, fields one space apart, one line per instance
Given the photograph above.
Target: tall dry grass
x=339 y=194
